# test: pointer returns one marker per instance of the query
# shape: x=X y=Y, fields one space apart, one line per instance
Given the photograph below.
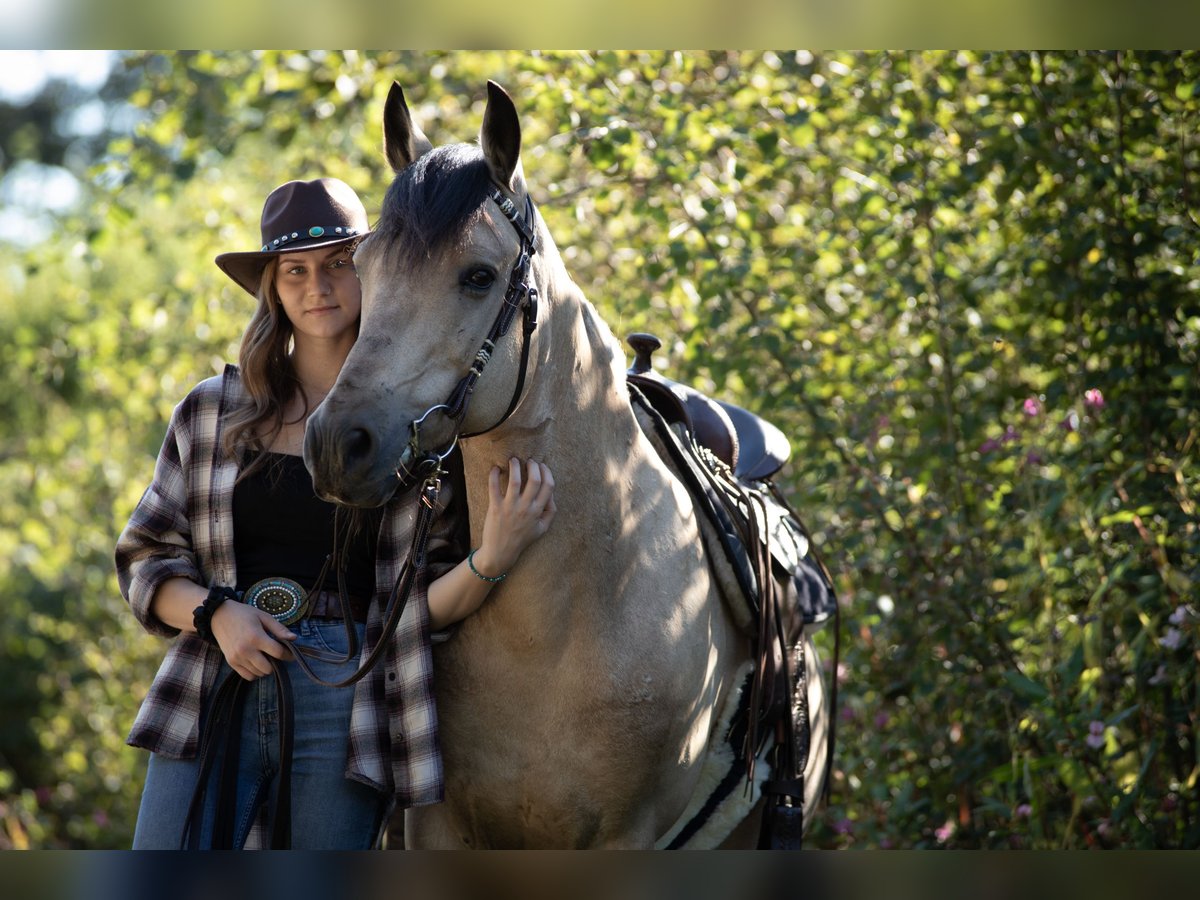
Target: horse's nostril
x=358 y=444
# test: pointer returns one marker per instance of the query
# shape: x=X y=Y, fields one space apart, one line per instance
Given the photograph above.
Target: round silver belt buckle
x=280 y=598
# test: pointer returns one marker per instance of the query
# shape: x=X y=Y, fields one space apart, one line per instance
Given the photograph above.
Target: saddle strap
x=782 y=828
x=732 y=508
x=737 y=512
x=837 y=644
x=782 y=825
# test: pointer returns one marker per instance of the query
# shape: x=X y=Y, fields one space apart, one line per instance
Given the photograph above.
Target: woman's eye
x=480 y=279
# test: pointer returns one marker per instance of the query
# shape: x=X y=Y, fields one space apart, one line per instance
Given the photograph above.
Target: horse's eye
x=480 y=279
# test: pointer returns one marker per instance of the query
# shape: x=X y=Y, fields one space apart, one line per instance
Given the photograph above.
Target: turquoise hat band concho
x=316 y=231
x=280 y=598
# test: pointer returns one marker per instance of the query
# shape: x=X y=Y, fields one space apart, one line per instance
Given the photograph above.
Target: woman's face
x=320 y=293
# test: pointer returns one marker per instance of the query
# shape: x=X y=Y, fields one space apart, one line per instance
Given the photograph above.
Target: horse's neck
x=575 y=417
x=595 y=576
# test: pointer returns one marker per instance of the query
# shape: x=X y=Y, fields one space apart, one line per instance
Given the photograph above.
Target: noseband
x=520 y=295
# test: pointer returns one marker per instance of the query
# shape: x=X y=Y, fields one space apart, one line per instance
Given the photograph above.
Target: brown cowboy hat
x=299 y=215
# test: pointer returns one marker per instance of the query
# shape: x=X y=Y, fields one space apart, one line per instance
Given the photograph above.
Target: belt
x=288 y=602
x=326 y=605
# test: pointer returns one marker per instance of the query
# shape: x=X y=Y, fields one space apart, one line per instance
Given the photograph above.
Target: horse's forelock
x=432 y=203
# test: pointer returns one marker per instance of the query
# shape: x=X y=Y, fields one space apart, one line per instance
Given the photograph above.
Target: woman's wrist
x=484 y=567
x=202 y=615
x=175 y=601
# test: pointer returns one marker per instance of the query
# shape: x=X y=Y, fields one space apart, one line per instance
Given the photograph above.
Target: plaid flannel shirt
x=183 y=527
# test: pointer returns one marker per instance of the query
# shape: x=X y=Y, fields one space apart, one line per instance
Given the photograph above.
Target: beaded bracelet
x=490 y=579
x=202 y=614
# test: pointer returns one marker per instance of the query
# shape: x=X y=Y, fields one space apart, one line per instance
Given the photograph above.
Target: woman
x=231 y=513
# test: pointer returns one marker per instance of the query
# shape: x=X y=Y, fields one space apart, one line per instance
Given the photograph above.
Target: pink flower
x=1033 y=458
x=843 y=826
x=944 y=833
x=1095 y=738
x=881 y=720
x=1070 y=422
x=100 y=817
x=1093 y=398
x=1033 y=407
x=1010 y=435
x=1024 y=811
x=989 y=445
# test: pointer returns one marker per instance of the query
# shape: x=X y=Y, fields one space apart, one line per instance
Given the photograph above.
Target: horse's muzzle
x=347 y=462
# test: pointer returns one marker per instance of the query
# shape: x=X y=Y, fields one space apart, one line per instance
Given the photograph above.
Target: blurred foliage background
x=964 y=284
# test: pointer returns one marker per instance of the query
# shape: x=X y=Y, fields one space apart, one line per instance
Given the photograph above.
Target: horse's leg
x=430 y=828
x=394 y=836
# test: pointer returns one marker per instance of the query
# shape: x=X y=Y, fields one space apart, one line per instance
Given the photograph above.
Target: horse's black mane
x=432 y=202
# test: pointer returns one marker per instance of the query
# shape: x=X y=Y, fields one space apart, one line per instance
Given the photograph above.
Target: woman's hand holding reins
x=248 y=636
x=516 y=517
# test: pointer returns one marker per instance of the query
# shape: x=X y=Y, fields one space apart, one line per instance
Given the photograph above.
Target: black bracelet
x=202 y=614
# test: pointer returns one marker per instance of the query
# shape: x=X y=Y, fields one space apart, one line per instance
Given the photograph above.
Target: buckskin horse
x=589 y=702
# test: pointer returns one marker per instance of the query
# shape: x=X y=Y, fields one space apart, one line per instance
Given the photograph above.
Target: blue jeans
x=328 y=810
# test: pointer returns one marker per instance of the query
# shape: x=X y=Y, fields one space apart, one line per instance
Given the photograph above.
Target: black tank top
x=281 y=529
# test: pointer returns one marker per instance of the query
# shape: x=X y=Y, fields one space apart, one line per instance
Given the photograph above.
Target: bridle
x=519 y=295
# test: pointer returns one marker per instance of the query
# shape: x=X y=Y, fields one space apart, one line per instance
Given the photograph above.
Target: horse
x=586 y=703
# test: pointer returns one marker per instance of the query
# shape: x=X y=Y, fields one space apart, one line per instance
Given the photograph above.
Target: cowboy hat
x=299 y=215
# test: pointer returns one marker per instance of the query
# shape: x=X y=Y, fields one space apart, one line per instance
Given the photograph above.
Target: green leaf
x=1025 y=686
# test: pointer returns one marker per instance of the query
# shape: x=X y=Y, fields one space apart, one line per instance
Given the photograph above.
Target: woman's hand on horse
x=247 y=636
x=516 y=516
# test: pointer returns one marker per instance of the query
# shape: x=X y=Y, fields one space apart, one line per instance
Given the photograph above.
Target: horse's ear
x=501 y=136
x=403 y=141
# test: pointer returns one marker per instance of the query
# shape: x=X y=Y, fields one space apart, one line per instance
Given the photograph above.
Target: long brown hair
x=267 y=375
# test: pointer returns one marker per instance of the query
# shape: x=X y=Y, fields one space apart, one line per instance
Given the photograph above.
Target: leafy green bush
x=964 y=284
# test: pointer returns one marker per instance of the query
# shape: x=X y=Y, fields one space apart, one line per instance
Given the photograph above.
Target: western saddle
x=762 y=556
x=750 y=445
